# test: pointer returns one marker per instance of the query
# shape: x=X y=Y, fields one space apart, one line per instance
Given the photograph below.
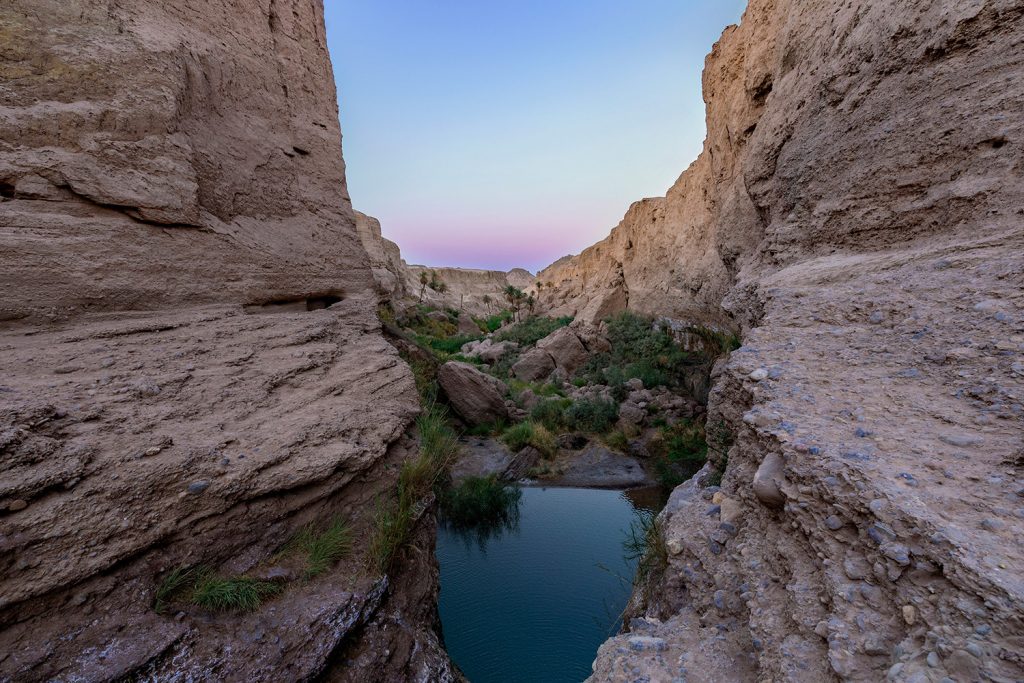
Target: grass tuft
x=519 y=436
x=646 y=544
x=323 y=547
x=394 y=519
x=236 y=593
x=175 y=580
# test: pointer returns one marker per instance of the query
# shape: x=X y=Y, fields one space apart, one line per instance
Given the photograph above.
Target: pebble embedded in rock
x=759 y=375
x=897 y=552
x=909 y=614
x=991 y=524
x=17 y=505
x=834 y=523
x=154 y=450
x=198 y=487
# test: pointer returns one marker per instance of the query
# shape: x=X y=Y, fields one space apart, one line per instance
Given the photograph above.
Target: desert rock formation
x=858 y=212
x=193 y=365
x=399 y=282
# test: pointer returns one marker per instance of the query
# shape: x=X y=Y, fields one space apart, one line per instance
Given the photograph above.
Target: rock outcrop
x=193 y=366
x=390 y=274
x=465 y=288
x=857 y=212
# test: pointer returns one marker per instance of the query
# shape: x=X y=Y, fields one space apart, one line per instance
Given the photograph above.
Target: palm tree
x=424 y=281
x=487 y=302
x=514 y=296
x=530 y=303
x=540 y=288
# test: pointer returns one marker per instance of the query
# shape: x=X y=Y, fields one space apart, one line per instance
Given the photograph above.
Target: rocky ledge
x=131 y=443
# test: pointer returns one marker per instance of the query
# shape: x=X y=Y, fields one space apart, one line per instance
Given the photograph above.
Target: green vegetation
x=551 y=413
x=430 y=278
x=324 y=546
x=532 y=330
x=450 y=345
x=592 y=415
x=480 y=502
x=646 y=544
x=618 y=440
x=175 y=580
x=395 y=519
x=236 y=593
x=519 y=436
x=492 y=322
x=685 y=452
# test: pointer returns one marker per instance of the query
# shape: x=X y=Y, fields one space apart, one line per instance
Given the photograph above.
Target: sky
x=498 y=134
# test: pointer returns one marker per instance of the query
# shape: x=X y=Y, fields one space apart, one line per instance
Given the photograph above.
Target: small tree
x=424 y=281
x=487 y=302
x=531 y=303
x=540 y=288
x=514 y=296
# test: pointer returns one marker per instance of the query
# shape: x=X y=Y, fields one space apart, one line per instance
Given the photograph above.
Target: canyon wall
x=193 y=365
x=398 y=282
x=164 y=153
x=858 y=213
x=829 y=130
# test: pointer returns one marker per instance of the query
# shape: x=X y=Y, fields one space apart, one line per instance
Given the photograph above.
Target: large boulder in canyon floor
x=477 y=397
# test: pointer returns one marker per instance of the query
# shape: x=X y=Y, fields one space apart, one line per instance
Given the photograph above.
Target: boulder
x=767 y=481
x=534 y=365
x=492 y=353
x=467 y=326
x=439 y=316
x=520 y=466
x=565 y=349
x=631 y=414
x=477 y=397
x=528 y=399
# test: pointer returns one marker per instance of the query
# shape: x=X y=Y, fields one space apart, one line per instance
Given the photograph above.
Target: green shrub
x=238 y=593
x=492 y=322
x=551 y=413
x=479 y=501
x=449 y=345
x=618 y=441
x=532 y=330
x=592 y=415
x=686 y=451
x=518 y=437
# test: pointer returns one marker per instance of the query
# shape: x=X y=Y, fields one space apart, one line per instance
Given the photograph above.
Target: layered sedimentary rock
x=465 y=288
x=193 y=366
x=858 y=212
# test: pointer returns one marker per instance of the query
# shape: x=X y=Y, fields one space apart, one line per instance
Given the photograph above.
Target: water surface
x=534 y=603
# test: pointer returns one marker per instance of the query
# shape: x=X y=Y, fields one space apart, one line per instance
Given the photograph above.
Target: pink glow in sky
x=501 y=135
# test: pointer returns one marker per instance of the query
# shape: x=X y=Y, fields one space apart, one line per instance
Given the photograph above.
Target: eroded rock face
x=857 y=211
x=193 y=367
x=169 y=154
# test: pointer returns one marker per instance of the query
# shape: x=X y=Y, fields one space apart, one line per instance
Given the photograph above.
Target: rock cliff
x=399 y=282
x=193 y=366
x=857 y=212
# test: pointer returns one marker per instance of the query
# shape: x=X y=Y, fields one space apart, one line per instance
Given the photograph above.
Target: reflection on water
x=532 y=598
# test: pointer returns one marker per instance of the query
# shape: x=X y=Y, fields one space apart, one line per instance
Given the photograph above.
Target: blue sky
x=501 y=134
